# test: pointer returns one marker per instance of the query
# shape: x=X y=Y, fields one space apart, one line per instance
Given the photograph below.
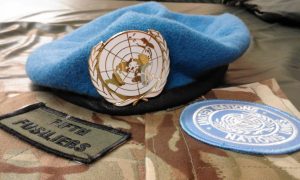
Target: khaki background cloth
x=159 y=148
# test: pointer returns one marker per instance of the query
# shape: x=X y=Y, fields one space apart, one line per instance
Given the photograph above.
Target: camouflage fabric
x=159 y=148
x=172 y=154
x=20 y=160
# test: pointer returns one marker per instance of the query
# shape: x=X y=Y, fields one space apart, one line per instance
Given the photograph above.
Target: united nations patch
x=242 y=126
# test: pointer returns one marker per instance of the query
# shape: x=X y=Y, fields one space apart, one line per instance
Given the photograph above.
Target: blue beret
x=196 y=43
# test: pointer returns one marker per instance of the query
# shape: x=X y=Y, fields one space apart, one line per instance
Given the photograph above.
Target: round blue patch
x=242 y=126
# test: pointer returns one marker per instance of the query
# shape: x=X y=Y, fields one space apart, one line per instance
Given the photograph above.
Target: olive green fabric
x=62 y=134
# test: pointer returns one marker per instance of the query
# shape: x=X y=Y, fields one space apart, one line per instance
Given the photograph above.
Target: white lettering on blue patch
x=244 y=124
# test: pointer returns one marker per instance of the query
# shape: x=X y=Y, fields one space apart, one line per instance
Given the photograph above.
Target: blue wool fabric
x=196 y=43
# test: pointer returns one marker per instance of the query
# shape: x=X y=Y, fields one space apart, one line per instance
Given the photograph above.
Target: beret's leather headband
x=130 y=66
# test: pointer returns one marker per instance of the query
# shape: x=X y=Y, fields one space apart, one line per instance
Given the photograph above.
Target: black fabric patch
x=272 y=11
x=63 y=135
x=167 y=99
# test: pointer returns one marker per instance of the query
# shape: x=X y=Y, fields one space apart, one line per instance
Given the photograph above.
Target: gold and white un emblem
x=130 y=66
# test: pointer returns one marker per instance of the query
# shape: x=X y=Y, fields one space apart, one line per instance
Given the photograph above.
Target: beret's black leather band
x=167 y=99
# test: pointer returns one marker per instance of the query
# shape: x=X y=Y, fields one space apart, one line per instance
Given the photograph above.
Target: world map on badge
x=242 y=126
x=130 y=66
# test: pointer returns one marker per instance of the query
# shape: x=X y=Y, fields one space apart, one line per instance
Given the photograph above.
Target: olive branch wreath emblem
x=119 y=99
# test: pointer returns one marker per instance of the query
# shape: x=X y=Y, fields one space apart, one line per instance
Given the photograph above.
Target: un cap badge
x=130 y=66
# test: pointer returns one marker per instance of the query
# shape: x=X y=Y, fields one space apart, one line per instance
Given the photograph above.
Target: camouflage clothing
x=159 y=148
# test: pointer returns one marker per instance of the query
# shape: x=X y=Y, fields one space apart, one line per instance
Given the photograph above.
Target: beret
x=197 y=44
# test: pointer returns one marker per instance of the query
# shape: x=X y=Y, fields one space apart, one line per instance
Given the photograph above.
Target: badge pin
x=130 y=66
